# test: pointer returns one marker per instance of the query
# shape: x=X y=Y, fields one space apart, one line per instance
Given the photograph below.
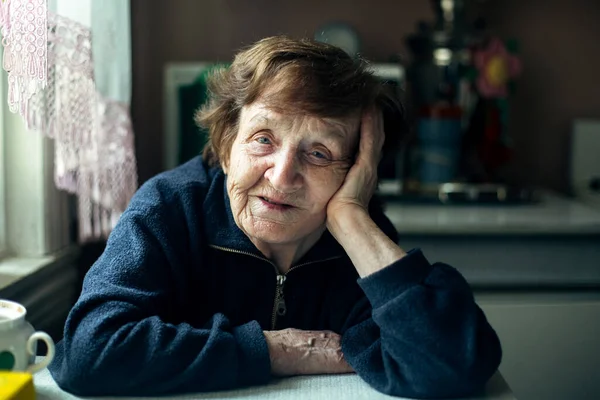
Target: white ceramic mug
x=18 y=340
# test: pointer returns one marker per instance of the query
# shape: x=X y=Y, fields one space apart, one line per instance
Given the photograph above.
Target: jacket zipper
x=279 y=306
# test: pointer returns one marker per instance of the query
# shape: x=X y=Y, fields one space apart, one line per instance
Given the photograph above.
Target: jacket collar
x=222 y=231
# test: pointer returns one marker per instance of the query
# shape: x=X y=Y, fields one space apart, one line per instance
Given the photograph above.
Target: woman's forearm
x=299 y=352
x=367 y=246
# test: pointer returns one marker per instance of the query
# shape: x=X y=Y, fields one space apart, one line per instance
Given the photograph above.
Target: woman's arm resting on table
x=116 y=343
x=419 y=333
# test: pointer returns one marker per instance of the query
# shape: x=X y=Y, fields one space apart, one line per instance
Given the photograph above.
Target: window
x=34 y=215
x=2 y=193
x=37 y=263
x=34 y=219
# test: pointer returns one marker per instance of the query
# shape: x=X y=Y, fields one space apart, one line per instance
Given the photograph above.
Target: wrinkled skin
x=296 y=160
x=298 y=352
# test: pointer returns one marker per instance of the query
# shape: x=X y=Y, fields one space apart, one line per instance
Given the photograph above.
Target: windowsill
x=15 y=271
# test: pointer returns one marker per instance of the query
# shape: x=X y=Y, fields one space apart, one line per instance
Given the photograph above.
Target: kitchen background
x=534 y=267
x=558 y=43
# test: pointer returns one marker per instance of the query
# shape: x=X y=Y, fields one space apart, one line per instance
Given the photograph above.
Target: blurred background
x=558 y=43
x=498 y=176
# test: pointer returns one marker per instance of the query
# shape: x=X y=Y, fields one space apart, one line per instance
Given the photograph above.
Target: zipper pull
x=281 y=307
x=280 y=281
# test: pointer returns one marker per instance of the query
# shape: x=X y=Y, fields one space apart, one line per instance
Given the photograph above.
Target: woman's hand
x=299 y=352
x=361 y=181
x=348 y=218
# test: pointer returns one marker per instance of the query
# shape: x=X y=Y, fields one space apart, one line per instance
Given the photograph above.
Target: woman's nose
x=284 y=174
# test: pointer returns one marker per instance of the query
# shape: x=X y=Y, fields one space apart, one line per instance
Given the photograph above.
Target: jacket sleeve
x=115 y=341
x=419 y=332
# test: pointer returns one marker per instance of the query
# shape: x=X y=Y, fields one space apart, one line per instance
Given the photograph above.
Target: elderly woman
x=266 y=256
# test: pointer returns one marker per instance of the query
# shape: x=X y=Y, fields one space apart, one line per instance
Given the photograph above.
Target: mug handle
x=43 y=336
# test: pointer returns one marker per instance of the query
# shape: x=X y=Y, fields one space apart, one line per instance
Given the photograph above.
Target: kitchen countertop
x=553 y=215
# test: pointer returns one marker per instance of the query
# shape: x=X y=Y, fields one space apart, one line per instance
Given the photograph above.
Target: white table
x=323 y=387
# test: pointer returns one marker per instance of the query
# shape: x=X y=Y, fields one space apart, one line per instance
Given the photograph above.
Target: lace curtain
x=69 y=77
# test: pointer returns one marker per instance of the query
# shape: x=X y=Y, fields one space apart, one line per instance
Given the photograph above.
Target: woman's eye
x=319 y=155
x=263 y=140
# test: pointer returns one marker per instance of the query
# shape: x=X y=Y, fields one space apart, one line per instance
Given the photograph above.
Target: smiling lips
x=274 y=202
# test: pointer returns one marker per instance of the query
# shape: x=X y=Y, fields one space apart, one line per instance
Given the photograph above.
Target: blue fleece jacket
x=180 y=297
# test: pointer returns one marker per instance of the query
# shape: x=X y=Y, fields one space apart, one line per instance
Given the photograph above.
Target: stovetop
x=460 y=194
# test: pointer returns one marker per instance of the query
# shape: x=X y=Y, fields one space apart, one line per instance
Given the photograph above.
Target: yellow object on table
x=16 y=386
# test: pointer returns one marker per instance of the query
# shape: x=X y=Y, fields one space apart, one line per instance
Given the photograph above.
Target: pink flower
x=496 y=68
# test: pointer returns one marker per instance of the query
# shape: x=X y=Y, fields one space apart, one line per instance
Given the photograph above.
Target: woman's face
x=283 y=170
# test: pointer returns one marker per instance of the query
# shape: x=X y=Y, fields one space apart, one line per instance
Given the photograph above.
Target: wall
x=192 y=30
x=559 y=48
x=558 y=43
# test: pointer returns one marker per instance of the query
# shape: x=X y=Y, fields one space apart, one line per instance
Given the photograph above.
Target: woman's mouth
x=274 y=204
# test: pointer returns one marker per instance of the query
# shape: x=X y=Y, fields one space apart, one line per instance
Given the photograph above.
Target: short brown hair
x=300 y=76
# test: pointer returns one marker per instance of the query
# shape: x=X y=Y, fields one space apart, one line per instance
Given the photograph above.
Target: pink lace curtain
x=51 y=84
